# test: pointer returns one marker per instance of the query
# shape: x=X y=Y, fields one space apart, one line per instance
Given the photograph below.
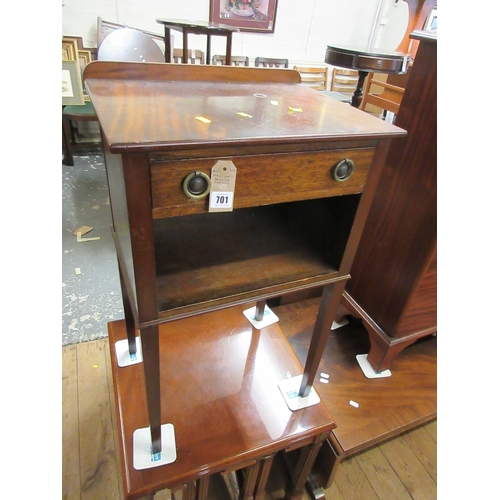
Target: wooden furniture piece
x=70 y=114
x=235 y=60
x=179 y=255
x=224 y=403
x=366 y=61
x=194 y=57
x=387 y=407
x=313 y=77
x=270 y=62
x=394 y=275
x=344 y=80
x=383 y=95
x=197 y=28
x=418 y=10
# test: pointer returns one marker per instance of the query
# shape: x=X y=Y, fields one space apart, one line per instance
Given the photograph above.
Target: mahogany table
x=221 y=394
x=365 y=61
x=304 y=168
x=196 y=28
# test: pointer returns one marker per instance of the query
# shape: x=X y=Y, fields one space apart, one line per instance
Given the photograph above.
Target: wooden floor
x=403 y=468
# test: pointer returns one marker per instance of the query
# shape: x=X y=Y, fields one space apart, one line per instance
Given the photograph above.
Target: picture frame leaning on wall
x=247 y=15
x=72 y=89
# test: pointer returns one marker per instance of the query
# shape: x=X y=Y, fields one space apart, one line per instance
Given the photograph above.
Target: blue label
x=292 y=394
x=155 y=457
x=266 y=313
x=133 y=357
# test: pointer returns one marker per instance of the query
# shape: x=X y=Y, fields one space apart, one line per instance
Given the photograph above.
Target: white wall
x=303 y=28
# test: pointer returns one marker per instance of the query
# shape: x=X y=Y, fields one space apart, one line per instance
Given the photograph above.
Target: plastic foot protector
x=123 y=356
x=314 y=489
x=344 y=321
x=368 y=368
x=268 y=319
x=144 y=458
x=290 y=390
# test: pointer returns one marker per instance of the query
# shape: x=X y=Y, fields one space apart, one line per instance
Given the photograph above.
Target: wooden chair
x=104 y=28
x=235 y=60
x=195 y=56
x=75 y=113
x=344 y=80
x=382 y=94
x=119 y=45
x=269 y=62
x=314 y=77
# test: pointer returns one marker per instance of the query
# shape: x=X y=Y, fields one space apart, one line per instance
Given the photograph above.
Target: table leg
x=202 y=487
x=185 y=492
x=357 y=97
x=151 y=356
x=265 y=469
x=168 y=46
x=184 y=46
x=259 y=310
x=67 y=148
x=209 y=49
x=330 y=301
x=300 y=474
x=229 y=42
x=129 y=316
x=250 y=480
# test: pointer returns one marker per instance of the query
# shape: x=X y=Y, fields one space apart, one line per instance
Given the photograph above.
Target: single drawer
x=261 y=179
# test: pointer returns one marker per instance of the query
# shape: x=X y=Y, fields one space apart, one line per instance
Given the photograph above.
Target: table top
x=203 y=25
x=367 y=59
x=219 y=379
x=164 y=106
x=365 y=50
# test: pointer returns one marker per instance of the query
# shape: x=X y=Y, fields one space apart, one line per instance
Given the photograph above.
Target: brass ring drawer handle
x=343 y=170
x=196 y=185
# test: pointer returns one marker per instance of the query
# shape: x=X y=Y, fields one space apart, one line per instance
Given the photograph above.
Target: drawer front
x=260 y=179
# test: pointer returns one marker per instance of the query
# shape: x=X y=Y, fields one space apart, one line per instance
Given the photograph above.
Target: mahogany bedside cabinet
x=228 y=186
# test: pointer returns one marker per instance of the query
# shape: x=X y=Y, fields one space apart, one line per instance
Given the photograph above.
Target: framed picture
x=431 y=23
x=247 y=15
x=72 y=90
x=69 y=49
x=84 y=57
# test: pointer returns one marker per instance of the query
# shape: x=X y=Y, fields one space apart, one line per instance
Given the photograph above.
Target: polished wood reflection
x=219 y=379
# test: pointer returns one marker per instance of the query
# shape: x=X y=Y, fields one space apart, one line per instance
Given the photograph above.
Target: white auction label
x=221 y=199
x=223 y=181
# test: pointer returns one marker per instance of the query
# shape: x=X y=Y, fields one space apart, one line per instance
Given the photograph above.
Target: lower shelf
x=386 y=407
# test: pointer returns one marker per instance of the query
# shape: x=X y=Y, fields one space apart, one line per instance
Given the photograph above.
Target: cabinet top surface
x=146 y=106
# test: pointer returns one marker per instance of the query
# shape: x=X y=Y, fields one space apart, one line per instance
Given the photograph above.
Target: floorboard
x=353 y=483
x=425 y=449
x=98 y=458
x=70 y=425
x=409 y=469
x=381 y=475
